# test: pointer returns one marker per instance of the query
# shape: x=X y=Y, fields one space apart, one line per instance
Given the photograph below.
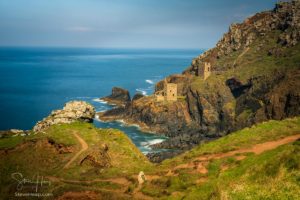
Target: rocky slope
x=255 y=77
x=72 y=111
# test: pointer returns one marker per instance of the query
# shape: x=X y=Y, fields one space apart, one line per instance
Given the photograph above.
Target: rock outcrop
x=119 y=96
x=97 y=157
x=72 y=111
x=137 y=96
x=284 y=19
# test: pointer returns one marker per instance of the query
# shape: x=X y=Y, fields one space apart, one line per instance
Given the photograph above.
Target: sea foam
x=150 y=81
x=143 y=91
x=99 y=101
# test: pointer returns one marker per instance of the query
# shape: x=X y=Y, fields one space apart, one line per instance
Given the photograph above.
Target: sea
x=36 y=80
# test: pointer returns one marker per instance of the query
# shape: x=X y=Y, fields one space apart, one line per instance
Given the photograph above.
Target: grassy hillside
x=252 y=61
x=46 y=154
x=227 y=168
x=273 y=174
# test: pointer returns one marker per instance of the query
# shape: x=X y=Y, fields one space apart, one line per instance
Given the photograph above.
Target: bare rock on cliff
x=72 y=111
x=137 y=96
x=98 y=157
x=119 y=96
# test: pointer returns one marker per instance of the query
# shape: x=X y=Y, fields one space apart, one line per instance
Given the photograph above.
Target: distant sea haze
x=35 y=81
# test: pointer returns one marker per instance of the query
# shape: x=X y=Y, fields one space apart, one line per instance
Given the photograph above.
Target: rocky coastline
x=244 y=89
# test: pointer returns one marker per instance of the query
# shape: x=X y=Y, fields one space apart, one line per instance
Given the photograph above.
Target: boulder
x=72 y=111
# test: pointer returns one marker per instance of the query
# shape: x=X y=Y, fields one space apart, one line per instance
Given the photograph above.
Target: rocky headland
x=255 y=73
x=119 y=97
x=72 y=111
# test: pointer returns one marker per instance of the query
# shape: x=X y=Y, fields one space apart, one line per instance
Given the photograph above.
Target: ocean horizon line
x=121 y=48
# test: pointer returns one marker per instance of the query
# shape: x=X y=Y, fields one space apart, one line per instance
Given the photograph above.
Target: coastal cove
x=35 y=81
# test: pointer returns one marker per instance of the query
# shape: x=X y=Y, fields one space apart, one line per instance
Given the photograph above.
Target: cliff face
x=255 y=77
x=283 y=19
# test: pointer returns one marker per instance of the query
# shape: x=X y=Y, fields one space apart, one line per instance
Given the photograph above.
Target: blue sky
x=122 y=23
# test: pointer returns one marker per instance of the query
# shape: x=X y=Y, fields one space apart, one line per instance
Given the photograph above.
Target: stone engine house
x=169 y=93
x=205 y=70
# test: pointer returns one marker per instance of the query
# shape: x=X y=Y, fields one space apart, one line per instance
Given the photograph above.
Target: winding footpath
x=198 y=163
x=84 y=147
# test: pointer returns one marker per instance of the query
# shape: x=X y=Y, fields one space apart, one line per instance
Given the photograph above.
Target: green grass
x=267 y=131
x=271 y=175
x=253 y=63
x=274 y=174
x=181 y=98
x=11 y=142
x=34 y=155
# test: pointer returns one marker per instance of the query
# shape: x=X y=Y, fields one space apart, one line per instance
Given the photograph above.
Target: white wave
x=97 y=118
x=145 y=152
x=102 y=110
x=83 y=97
x=135 y=125
x=150 y=81
x=144 y=143
x=143 y=91
x=121 y=121
x=155 y=141
x=151 y=142
x=99 y=101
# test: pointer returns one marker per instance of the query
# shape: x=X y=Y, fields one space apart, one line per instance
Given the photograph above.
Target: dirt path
x=119 y=181
x=84 y=147
x=200 y=162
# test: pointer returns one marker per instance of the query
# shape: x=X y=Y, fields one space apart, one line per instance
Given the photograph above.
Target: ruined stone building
x=205 y=70
x=169 y=93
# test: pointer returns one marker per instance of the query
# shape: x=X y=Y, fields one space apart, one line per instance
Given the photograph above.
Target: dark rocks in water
x=119 y=96
x=113 y=114
x=183 y=142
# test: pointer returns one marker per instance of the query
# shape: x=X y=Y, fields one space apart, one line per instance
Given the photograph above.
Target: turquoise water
x=35 y=81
